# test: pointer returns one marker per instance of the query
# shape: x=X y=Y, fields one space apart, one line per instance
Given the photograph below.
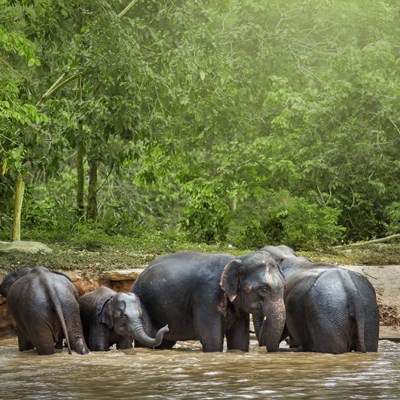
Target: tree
x=19 y=116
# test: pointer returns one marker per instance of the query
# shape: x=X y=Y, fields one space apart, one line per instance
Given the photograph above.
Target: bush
x=206 y=214
x=293 y=221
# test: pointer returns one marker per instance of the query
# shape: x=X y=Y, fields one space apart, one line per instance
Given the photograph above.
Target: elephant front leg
x=99 y=340
x=124 y=343
x=238 y=335
x=210 y=330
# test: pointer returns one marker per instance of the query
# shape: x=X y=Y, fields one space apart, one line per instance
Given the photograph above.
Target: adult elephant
x=329 y=309
x=44 y=305
x=109 y=318
x=210 y=296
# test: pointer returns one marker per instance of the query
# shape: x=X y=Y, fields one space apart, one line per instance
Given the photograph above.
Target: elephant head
x=255 y=285
x=11 y=278
x=288 y=261
x=123 y=313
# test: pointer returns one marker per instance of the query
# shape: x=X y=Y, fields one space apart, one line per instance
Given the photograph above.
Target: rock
x=24 y=247
x=83 y=282
x=121 y=280
x=123 y=274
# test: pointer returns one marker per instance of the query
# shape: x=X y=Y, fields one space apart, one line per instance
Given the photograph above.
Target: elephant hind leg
x=24 y=343
x=43 y=338
x=79 y=345
x=45 y=349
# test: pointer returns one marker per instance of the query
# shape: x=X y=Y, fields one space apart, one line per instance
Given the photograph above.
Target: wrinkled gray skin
x=328 y=309
x=210 y=296
x=110 y=318
x=44 y=305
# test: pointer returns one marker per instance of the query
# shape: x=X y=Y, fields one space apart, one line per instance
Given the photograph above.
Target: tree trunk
x=92 y=191
x=81 y=180
x=19 y=196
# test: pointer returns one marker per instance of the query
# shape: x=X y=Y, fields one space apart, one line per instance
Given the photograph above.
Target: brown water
x=187 y=373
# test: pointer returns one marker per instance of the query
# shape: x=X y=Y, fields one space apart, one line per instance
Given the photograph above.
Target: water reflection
x=187 y=373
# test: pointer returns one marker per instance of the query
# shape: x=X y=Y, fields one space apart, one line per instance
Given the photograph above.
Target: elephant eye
x=263 y=290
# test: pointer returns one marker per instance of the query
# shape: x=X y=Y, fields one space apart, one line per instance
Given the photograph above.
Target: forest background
x=166 y=124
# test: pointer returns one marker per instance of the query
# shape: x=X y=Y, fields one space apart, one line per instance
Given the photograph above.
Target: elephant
x=109 y=318
x=208 y=297
x=329 y=309
x=44 y=305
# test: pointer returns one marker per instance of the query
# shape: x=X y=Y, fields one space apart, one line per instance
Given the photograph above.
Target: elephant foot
x=166 y=345
x=296 y=349
x=80 y=347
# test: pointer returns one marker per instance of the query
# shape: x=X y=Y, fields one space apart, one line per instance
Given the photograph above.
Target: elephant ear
x=104 y=310
x=229 y=281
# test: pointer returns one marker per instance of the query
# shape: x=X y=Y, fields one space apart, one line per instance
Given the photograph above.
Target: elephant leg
x=23 y=342
x=166 y=344
x=79 y=345
x=238 y=337
x=209 y=326
x=59 y=345
x=98 y=341
x=124 y=343
x=45 y=348
x=74 y=326
x=40 y=336
x=371 y=333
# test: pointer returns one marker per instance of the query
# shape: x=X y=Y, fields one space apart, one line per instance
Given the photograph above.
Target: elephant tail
x=356 y=310
x=55 y=301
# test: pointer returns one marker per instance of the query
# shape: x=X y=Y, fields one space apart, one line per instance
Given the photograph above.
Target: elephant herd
x=316 y=307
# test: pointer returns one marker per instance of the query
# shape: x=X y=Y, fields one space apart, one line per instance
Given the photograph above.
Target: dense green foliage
x=243 y=122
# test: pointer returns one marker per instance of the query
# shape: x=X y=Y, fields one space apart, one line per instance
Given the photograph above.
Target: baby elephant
x=110 y=318
x=44 y=305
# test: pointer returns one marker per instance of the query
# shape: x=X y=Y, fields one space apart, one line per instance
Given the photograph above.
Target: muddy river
x=188 y=373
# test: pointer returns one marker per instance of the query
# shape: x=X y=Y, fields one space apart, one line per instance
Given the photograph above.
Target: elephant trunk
x=257 y=322
x=272 y=327
x=140 y=335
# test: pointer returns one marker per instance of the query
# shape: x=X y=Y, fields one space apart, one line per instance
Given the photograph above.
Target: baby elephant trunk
x=140 y=335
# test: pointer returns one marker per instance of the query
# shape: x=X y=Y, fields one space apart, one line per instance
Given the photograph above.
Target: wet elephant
x=44 y=305
x=210 y=296
x=329 y=309
x=110 y=317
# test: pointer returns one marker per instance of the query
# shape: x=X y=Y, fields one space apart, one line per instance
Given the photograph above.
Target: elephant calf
x=44 y=305
x=328 y=309
x=110 y=318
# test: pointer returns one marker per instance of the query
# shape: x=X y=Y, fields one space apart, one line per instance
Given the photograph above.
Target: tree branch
x=380 y=240
x=60 y=82
x=127 y=8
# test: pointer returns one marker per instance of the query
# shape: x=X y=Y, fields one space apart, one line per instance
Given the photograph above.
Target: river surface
x=188 y=373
